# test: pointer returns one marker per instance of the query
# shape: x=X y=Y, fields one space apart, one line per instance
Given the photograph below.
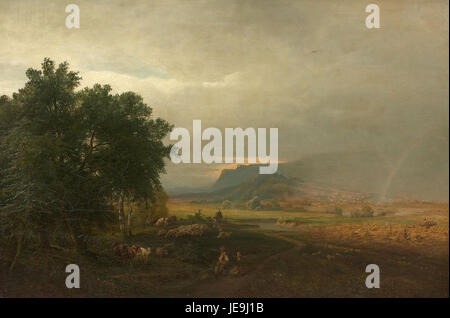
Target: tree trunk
x=44 y=239
x=18 y=250
x=72 y=235
x=81 y=244
x=130 y=211
x=146 y=221
x=121 y=216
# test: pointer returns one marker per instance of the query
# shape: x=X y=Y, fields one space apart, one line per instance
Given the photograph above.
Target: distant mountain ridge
x=363 y=172
x=234 y=177
x=276 y=188
x=265 y=186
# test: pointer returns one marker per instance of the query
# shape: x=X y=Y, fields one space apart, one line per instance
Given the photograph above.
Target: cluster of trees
x=75 y=157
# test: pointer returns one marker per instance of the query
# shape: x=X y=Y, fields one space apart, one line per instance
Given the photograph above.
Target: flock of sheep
x=141 y=254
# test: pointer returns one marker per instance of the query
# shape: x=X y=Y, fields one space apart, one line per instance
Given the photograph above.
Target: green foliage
x=272 y=204
x=364 y=212
x=336 y=210
x=69 y=156
x=146 y=211
x=385 y=212
x=198 y=217
x=254 y=203
x=266 y=187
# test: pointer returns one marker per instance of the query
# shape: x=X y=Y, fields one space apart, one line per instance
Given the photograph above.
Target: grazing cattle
x=122 y=250
x=166 y=221
x=224 y=235
x=143 y=254
x=162 y=251
x=162 y=222
x=131 y=252
x=235 y=270
x=151 y=220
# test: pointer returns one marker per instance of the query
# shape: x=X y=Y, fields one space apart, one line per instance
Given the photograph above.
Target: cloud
x=229 y=80
x=308 y=67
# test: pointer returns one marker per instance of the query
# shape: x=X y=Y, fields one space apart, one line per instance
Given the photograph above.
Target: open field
x=309 y=253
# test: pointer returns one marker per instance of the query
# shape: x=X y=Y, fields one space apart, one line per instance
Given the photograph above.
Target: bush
x=428 y=223
x=148 y=212
x=198 y=217
x=272 y=204
x=254 y=204
x=365 y=212
x=336 y=210
x=385 y=213
x=287 y=221
x=226 y=205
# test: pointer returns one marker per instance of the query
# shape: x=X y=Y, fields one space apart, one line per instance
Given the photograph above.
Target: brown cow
x=131 y=252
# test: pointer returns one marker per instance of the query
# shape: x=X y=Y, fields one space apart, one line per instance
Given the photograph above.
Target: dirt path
x=230 y=285
x=328 y=269
x=295 y=242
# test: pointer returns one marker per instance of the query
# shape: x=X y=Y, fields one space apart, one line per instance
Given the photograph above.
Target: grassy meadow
x=298 y=252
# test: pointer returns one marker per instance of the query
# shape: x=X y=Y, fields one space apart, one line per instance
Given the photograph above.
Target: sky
x=309 y=68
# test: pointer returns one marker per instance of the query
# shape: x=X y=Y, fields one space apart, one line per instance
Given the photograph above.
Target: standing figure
x=222 y=262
